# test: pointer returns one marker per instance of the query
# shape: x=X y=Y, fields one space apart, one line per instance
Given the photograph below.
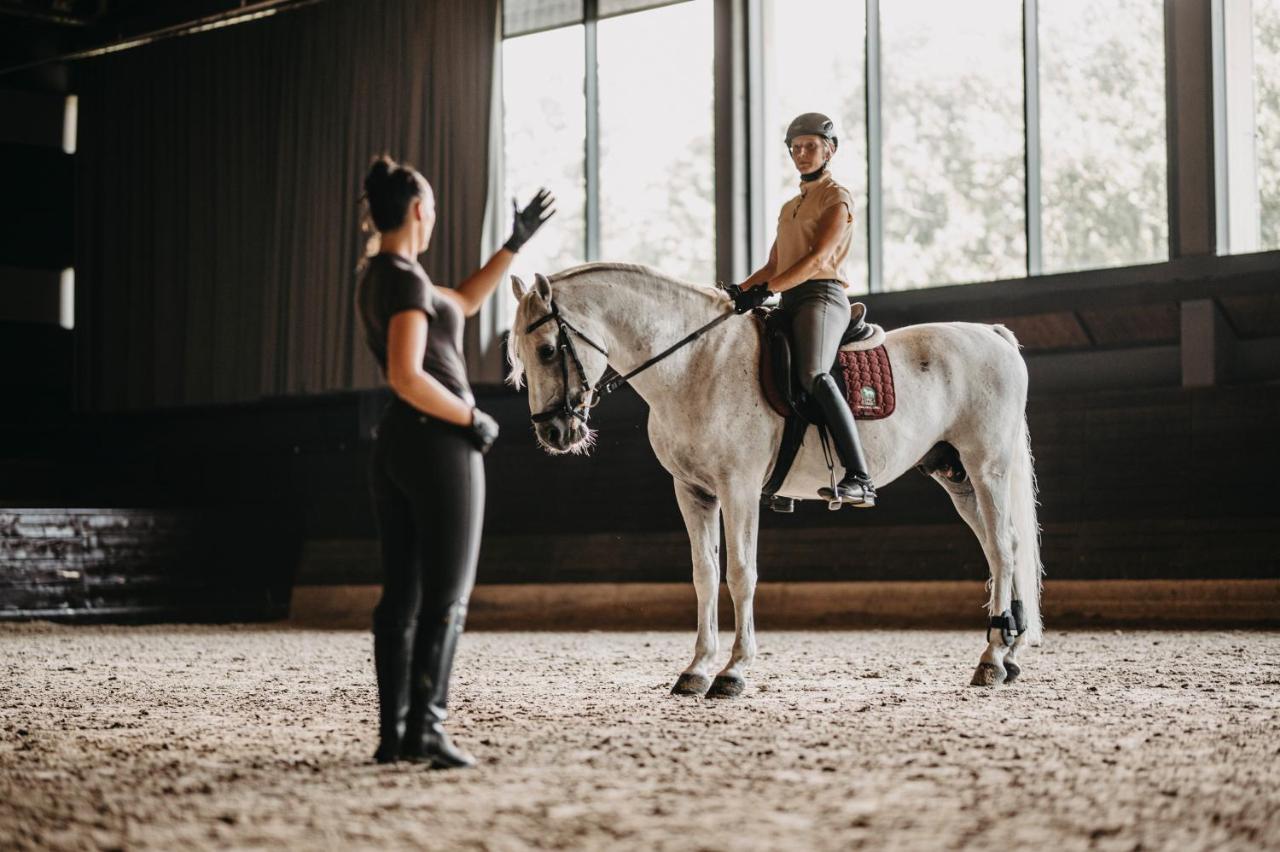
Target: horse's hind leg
x=964 y=498
x=701 y=513
x=742 y=527
x=966 y=503
x=991 y=495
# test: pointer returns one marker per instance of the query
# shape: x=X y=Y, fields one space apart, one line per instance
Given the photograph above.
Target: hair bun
x=380 y=172
x=389 y=188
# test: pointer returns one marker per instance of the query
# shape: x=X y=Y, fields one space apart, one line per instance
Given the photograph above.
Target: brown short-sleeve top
x=392 y=283
x=798 y=227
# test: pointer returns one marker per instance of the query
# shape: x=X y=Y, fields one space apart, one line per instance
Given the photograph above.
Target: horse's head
x=560 y=365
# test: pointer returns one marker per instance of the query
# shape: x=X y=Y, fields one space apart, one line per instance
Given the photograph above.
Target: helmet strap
x=816 y=173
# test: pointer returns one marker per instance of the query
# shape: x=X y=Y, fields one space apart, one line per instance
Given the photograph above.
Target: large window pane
x=657 y=161
x=544 y=127
x=954 y=175
x=1266 y=87
x=1102 y=133
x=817 y=69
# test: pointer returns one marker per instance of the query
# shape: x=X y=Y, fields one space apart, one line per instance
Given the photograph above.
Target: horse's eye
x=546 y=352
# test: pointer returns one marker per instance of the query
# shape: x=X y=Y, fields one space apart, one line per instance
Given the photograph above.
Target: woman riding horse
x=806 y=265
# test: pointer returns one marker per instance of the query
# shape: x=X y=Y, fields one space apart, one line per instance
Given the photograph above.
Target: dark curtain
x=217 y=184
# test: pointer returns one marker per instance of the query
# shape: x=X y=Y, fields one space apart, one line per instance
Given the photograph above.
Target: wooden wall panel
x=144 y=564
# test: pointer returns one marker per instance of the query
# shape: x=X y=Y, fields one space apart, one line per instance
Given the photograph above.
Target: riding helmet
x=812 y=124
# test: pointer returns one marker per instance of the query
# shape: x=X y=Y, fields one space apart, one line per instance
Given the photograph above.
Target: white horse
x=964 y=384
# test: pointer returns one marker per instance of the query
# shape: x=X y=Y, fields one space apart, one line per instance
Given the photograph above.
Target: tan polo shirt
x=798 y=226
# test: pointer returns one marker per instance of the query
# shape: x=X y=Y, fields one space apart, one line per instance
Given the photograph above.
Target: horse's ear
x=518 y=287
x=543 y=286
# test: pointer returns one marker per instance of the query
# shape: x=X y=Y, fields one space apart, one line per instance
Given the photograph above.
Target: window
x=657 y=159
x=543 y=128
x=817 y=69
x=954 y=176
x=1247 y=124
x=1102 y=133
x=980 y=141
x=1266 y=87
x=650 y=169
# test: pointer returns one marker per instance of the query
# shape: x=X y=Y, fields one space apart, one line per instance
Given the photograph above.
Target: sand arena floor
x=176 y=738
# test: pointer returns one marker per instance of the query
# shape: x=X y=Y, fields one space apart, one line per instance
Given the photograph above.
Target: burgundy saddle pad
x=868 y=381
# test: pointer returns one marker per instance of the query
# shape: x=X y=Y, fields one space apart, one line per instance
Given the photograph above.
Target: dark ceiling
x=34 y=31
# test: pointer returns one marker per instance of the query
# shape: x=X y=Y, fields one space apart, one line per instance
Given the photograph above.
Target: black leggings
x=820 y=315
x=427 y=480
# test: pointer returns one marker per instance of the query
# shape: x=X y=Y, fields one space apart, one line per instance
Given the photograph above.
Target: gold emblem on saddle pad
x=868 y=395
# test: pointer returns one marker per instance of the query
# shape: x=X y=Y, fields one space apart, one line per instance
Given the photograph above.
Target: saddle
x=861 y=370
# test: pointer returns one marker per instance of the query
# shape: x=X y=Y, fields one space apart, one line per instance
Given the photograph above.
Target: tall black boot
x=855 y=488
x=425 y=739
x=391 y=653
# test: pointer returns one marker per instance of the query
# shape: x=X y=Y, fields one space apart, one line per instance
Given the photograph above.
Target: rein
x=610 y=380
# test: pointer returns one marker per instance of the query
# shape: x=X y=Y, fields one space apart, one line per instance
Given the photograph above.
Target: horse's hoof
x=691 y=684
x=988 y=674
x=726 y=686
x=1012 y=670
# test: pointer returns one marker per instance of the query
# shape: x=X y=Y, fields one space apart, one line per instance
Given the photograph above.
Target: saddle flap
x=775 y=362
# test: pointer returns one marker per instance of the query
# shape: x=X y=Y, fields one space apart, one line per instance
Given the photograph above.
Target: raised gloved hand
x=746 y=300
x=530 y=219
x=484 y=430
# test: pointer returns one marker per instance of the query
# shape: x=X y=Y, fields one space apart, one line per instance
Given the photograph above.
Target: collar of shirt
x=808 y=186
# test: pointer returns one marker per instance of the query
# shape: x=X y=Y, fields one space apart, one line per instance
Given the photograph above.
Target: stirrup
x=859 y=494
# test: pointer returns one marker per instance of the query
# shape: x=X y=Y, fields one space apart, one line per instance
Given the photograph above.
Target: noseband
x=610 y=380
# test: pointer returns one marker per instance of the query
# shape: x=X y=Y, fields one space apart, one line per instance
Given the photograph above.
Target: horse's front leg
x=742 y=528
x=701 y=513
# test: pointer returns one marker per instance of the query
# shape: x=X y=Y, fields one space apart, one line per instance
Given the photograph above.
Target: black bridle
x=591 y=395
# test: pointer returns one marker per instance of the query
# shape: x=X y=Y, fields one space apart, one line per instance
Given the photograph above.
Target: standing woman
x=807 y=266
x=427 y=475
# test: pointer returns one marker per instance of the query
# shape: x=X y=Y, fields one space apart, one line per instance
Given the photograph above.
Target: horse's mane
x=574 y=272
x=605 y=266
x=633 y=268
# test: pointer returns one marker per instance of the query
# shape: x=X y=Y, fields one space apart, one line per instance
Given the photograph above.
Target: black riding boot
x=855 y=488
x=391 y=664
x=425 y=740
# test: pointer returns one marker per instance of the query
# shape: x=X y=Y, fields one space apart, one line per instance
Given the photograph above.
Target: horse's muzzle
x=561 y=434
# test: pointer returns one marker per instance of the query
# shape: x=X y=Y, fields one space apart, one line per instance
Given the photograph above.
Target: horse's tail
x=1027 y=566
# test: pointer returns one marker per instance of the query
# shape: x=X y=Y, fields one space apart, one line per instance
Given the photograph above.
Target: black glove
x=746 y=300
x=530 y=219
x=484 y=430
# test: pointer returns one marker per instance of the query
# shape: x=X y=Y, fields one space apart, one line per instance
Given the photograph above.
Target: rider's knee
x=816 y=378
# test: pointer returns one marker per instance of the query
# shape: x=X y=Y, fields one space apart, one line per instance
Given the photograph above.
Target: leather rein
x=591 y=395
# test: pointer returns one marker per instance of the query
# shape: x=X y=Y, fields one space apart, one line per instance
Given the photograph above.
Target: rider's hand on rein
x=746 y=300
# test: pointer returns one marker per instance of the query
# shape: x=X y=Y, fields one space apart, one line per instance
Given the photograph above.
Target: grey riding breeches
x=819 y=312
